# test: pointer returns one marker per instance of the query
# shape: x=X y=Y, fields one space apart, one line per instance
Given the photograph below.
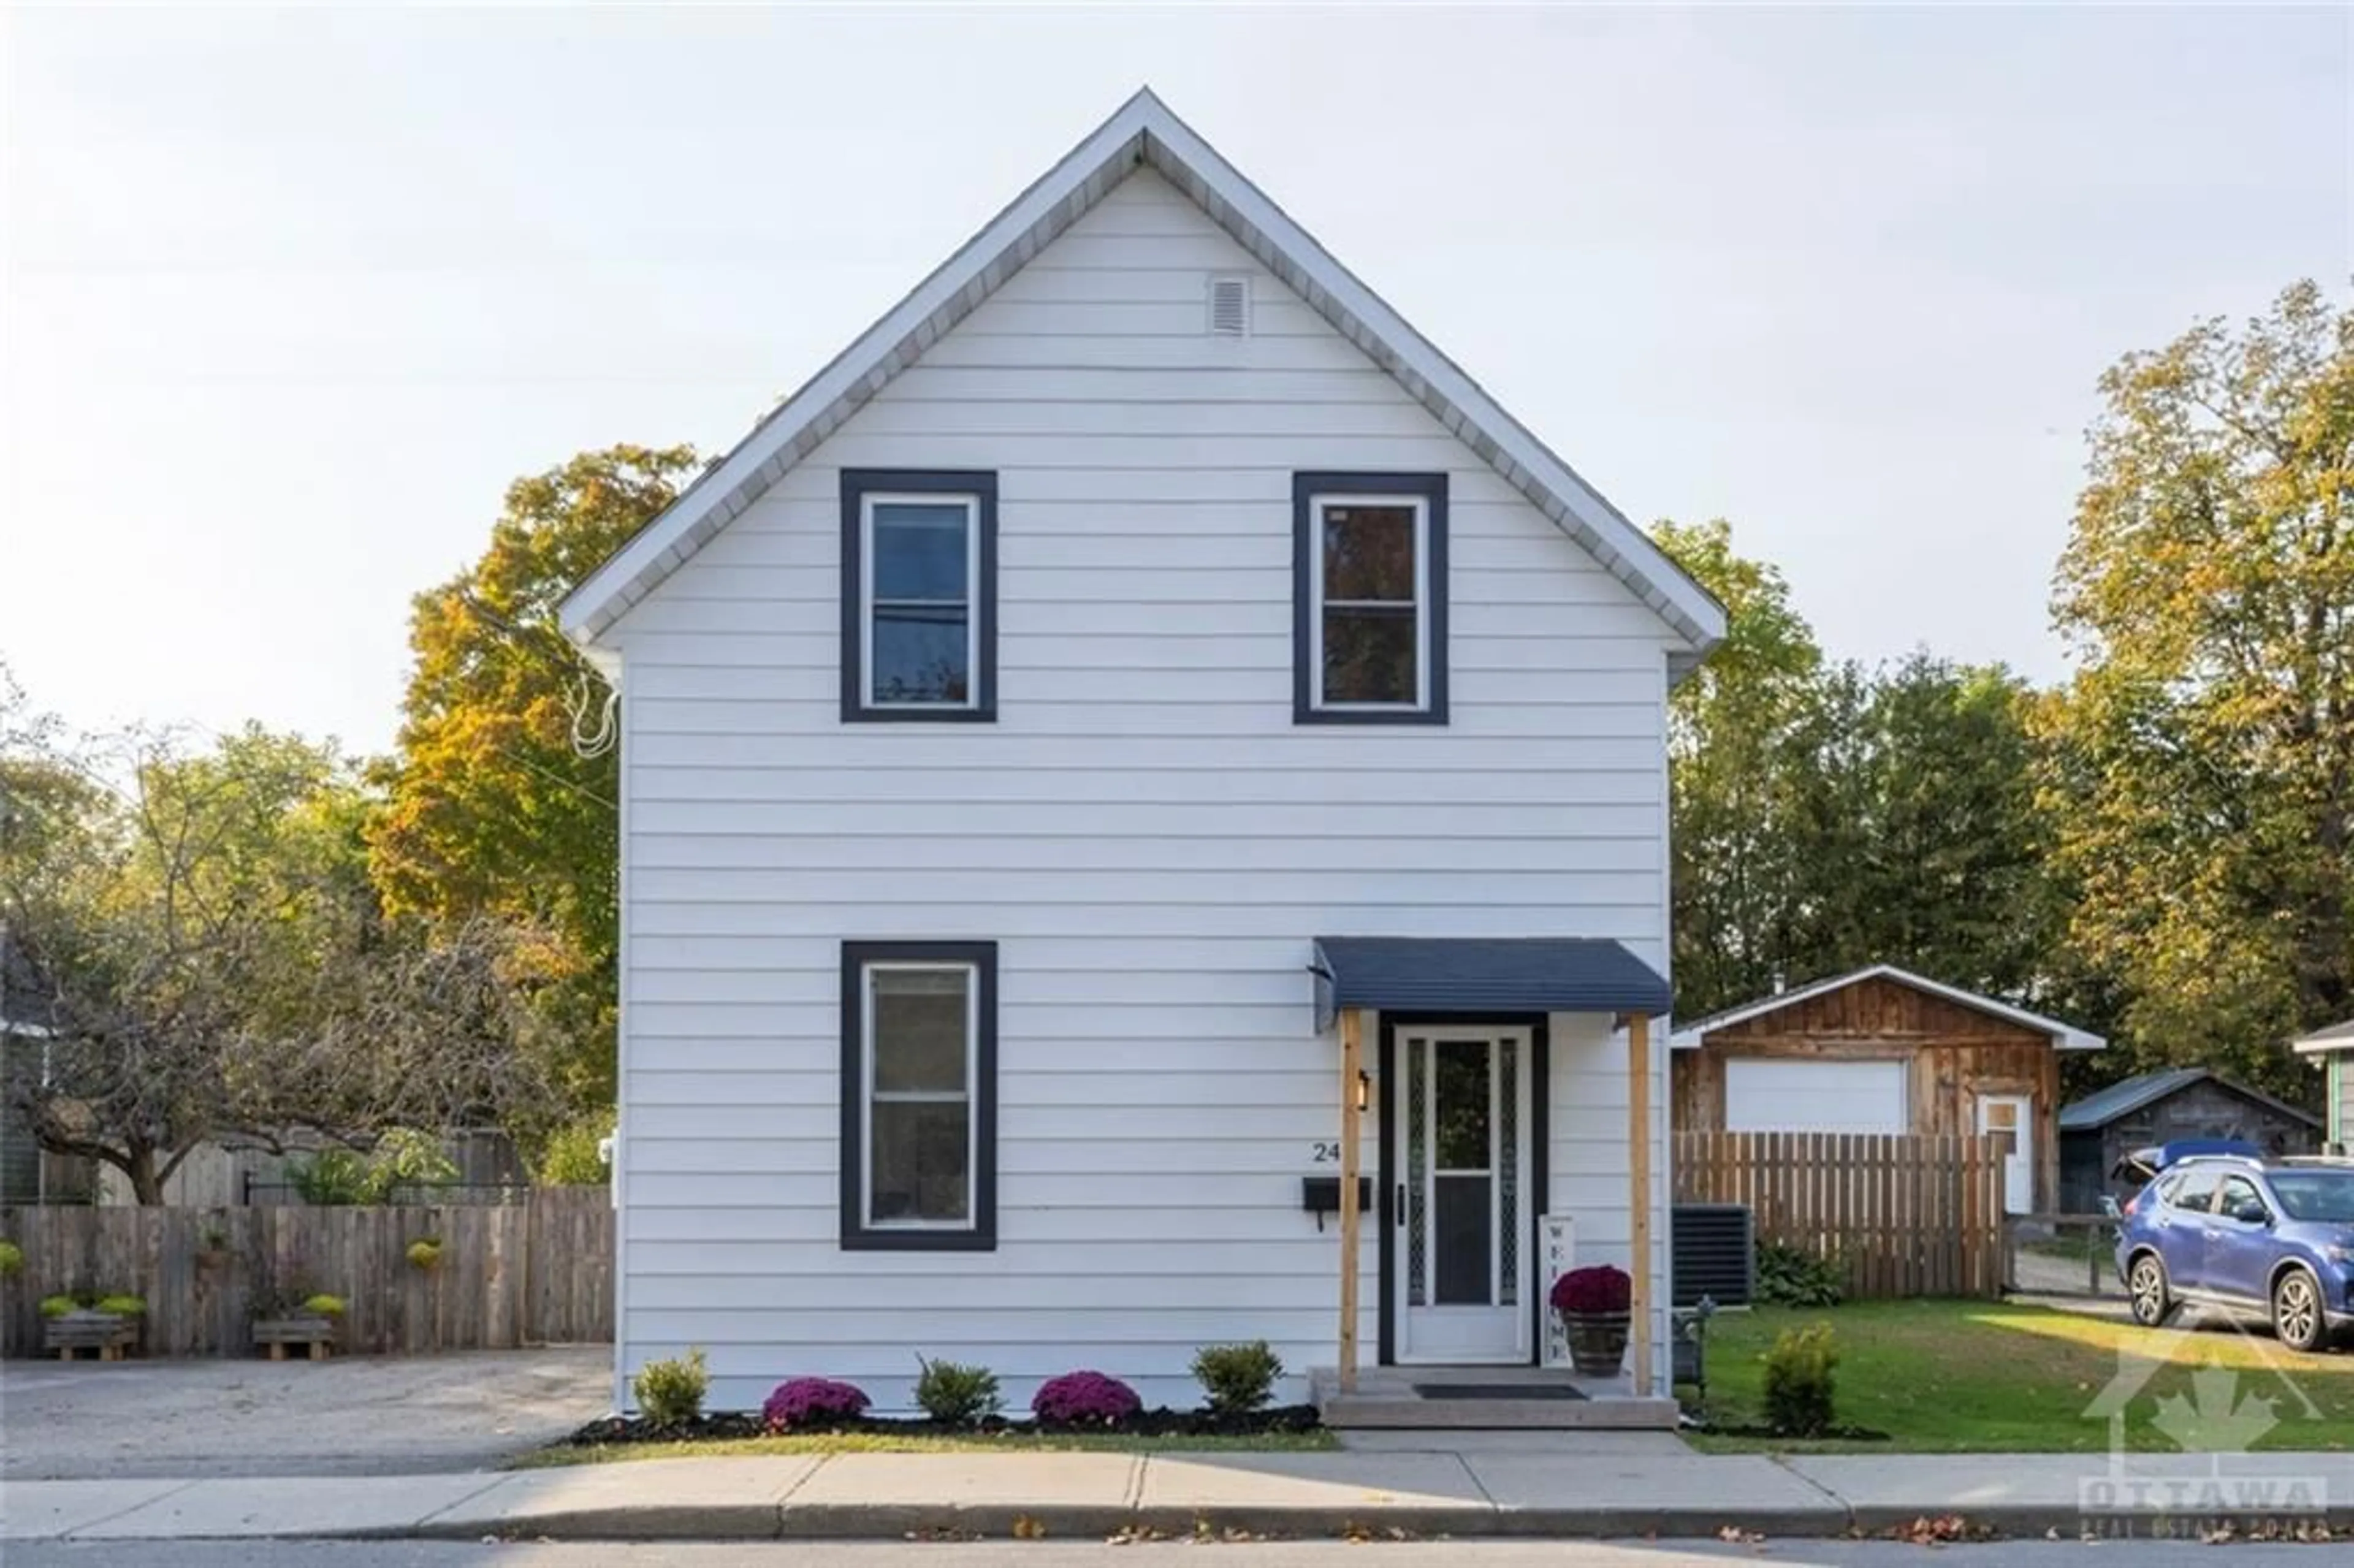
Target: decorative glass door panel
x=1461 y=1105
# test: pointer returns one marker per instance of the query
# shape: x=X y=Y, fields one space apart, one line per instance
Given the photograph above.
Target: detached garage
x=1883 y=1051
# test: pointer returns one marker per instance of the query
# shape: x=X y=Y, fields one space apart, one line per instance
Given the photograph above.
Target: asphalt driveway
x=354 y=1415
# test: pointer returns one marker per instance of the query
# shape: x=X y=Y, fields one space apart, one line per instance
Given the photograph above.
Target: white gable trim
x=2337 y=1037
x=2065 y=1036
x=1143 y=131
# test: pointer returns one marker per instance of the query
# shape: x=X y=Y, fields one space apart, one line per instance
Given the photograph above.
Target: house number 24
x=1324 y=1153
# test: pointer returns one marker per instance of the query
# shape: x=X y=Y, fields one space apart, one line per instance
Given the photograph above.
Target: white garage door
x=1814 y=1097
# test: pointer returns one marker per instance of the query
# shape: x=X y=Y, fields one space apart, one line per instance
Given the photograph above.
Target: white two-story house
x=1137 y=739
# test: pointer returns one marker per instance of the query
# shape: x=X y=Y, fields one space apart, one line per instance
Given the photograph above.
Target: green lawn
x=889 y=1443
x=1980 y=1376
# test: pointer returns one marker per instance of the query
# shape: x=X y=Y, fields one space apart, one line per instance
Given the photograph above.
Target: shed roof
x=1483 y=974
x=2065 y=1037
x=2127 y=1095
x=2337 y=1037
x=1144 y=132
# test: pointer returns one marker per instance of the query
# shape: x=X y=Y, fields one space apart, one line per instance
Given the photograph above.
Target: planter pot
x=1597 y=1342
x=315 y=1337
x=109 y=1335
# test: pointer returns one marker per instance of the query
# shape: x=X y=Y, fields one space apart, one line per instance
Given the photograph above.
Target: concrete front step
x=1391 y=1397
x=1343 y=1411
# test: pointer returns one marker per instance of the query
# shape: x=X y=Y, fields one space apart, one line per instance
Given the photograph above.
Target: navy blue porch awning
x=1483 y=974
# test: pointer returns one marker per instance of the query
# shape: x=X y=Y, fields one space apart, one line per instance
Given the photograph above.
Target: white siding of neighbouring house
x=1143 y=831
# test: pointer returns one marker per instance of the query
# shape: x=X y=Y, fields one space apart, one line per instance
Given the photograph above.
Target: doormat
x=1497 y=1391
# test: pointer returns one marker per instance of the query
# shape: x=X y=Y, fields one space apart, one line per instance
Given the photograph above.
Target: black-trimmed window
x=919 y=1095
x=1369 y=597
x=918 y=595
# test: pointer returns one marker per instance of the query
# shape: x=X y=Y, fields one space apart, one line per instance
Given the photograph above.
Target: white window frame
x=971 y=503
x=1316 y=505
x=870 y=1087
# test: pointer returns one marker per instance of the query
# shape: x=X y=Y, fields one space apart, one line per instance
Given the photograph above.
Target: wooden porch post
x=1639 y=1190
x=1353 y=1053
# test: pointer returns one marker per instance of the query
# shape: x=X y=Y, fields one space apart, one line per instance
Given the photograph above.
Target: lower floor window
x=919 y=1068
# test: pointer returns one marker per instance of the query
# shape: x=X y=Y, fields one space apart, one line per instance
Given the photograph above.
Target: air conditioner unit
x=1715 y=1254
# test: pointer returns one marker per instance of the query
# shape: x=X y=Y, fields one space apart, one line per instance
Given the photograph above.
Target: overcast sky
x=290 y=296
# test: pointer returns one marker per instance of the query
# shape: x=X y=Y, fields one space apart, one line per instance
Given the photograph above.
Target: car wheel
x=2298 y=1321
x=2153 y=1303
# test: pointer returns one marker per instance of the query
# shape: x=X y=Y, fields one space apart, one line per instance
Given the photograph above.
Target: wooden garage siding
x=1143 y=831
x=1954 y=1053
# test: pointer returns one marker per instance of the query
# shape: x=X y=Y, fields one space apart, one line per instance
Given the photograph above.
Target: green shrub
x=407 y=1157
x=12 y=1260
x=122 y=1306
x=669 y=1393
x=275 y=1300
x=325 y=1306
x=1237 y=1378
x=59 y=1306
x=342 y=1176
x=957 y=1395
x=1790 y=1277
x=569 y=1158
x=1798 y=1382
x=336 y=1177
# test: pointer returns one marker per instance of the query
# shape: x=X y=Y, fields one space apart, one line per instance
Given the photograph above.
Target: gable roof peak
x=2065 y=1037
x=1144 y=132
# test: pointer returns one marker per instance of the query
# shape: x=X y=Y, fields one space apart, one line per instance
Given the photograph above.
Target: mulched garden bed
x=736 y=1423
x=1829 y=1435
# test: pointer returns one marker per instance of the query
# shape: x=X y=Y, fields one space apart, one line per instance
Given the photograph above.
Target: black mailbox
x=1320 y=1195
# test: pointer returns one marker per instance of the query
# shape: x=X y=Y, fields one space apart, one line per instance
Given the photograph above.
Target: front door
x=1463 y=1274
x=2011 y=1114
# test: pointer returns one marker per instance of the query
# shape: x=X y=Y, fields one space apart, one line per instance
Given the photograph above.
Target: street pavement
x=354 y=1415
x=1052 y=1555
x=1599 y=1491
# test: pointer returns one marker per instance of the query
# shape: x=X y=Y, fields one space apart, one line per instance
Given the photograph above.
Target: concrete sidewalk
x=1475 y=1491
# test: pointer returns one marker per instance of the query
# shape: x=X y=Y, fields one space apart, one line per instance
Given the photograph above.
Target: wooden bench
x=278 y=1333
x=104 y=1332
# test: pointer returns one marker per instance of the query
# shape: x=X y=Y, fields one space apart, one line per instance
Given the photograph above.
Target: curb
x=1065 y=1521
x=2019 y=1522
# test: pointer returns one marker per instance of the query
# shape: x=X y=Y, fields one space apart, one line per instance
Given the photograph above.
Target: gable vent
x=1230 y=307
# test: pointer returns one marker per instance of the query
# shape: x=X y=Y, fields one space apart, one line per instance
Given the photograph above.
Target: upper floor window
x=918 y=595
x=1369 y=597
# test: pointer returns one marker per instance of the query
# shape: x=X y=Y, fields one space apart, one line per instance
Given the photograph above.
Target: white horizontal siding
x=702 y=739
x=1531 y=887
x=1143 y=851
x=1267 y=1256
x=1466 y=913
x=1218 y=604
x=1202 y=782
x=1121 y=833
x=1144 y=832
x=1587 y=1149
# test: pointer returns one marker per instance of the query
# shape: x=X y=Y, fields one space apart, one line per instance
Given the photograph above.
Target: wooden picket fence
x=1906 y=1215
x=510 y=1275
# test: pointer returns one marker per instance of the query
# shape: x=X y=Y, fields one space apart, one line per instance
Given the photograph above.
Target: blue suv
x=2275 y=1236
